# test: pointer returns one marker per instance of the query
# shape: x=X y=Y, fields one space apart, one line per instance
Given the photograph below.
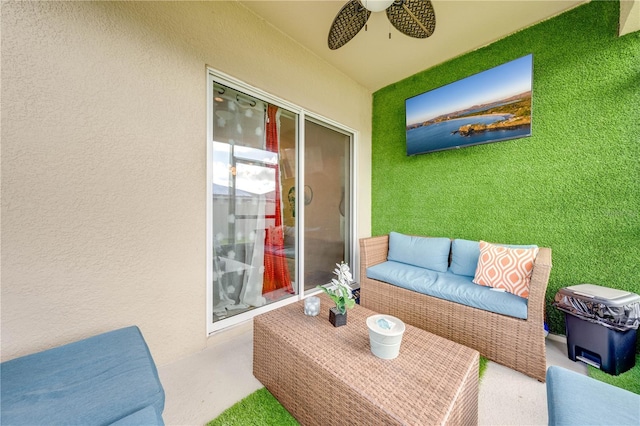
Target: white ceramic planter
x=385 y=335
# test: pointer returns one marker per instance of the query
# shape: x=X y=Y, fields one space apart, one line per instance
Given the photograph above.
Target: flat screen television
x=491 y=106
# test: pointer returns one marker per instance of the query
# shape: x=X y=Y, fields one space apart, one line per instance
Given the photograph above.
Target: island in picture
x=491 y=106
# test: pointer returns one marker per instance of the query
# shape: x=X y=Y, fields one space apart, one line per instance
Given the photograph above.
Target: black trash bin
x=601 y=325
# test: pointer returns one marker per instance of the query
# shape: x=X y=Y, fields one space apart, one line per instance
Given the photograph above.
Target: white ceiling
x=375 y=61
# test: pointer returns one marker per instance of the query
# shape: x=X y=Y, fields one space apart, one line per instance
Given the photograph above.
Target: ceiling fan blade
x=414 y=18
x=347 y=23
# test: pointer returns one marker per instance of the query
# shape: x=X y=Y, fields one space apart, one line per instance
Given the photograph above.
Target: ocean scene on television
x=490 y=106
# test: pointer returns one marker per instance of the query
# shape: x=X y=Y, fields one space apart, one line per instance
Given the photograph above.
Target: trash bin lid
x=606 y=295
x=612 y=308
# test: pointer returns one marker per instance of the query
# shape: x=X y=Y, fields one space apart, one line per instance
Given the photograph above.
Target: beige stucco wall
x=629 y=16
x=103 y=160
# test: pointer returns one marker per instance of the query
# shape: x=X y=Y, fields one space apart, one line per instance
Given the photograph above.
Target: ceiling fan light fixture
x=414 y=18
x=376 y=5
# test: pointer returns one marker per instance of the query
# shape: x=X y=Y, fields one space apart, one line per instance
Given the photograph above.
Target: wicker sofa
x=513 y=342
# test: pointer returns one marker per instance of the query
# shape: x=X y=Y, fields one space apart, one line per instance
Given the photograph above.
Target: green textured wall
x=574 y=185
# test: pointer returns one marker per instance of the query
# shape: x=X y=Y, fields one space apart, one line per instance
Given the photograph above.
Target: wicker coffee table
x=328 y=376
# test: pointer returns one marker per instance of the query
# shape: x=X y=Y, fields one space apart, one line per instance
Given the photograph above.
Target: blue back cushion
x=430 y=253
x=464 y=257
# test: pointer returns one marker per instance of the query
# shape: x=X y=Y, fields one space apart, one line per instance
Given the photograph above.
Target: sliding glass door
x=326 y=201
x=252 y=265
x=270 y=208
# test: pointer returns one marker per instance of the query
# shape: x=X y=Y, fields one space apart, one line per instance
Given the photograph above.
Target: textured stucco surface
x=629 y=16
x=103 y=126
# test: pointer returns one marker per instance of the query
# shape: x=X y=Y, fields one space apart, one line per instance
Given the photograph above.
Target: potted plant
x=340 y=292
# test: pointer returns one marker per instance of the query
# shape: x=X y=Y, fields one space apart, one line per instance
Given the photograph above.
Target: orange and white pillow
x=506 y=268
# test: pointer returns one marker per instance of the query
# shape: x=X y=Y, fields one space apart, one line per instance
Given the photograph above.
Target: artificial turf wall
x=574 y=185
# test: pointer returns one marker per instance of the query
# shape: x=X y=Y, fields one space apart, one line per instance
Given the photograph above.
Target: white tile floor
x=200 y=387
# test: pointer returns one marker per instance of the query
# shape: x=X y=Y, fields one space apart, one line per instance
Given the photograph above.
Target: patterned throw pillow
x=505 y=268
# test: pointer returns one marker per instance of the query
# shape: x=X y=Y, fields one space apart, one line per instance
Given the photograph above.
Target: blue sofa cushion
x=449 y=286
x=98 y=380
x=430 y=253
x=464 y=257
x=575 y=399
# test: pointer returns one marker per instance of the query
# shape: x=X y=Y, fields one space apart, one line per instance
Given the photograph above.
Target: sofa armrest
x=538 y=285
x=373 y=250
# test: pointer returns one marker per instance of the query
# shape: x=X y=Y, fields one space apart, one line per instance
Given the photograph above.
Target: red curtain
x=276 y=271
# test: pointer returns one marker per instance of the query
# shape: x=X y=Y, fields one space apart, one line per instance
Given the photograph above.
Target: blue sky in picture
x=485 y=87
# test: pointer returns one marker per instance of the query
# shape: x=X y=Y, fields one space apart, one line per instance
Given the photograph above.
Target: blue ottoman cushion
x=575 y=399
x=98 y=380
x=147 y=416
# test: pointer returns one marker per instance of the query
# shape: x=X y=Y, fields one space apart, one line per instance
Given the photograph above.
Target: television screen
x=490 y=106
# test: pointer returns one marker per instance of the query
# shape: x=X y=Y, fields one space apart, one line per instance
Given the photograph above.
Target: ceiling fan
x=414 y=18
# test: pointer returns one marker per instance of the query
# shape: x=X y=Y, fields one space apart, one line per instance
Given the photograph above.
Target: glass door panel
x=326 y=202
x=253 y=260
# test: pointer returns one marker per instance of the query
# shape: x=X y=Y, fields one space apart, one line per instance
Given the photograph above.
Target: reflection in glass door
x=253 y=254
x=327 y=176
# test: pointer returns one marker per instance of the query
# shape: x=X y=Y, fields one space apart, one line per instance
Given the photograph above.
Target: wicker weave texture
x=414 y=18
x=327 y=376
x=512 y=342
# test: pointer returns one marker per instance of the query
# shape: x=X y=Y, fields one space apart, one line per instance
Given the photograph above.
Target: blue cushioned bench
x=575 y=399
x=106 y=379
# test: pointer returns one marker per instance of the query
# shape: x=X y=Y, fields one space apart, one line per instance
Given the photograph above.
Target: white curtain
x=238 y=210
x=252 y=289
